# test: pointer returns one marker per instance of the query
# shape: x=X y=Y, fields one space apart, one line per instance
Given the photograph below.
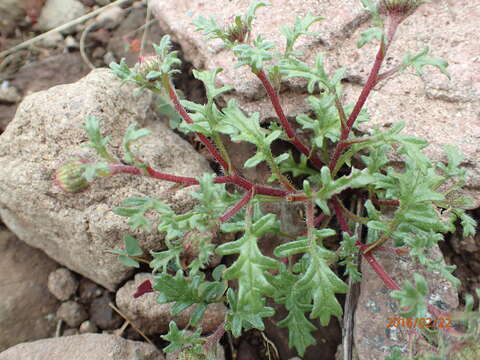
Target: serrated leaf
x=420 y=60
x=369 y=35
x=413 y=297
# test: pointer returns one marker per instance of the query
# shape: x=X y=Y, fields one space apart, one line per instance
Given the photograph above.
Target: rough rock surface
x=72 y=313
x=62 y=284
x=75 y=229
x=11 y=11
x=442 y=111
x=41 y=75
x=372 y=337
x=153 y=318
x=83 y=347
x=59 y=12
x=27 y=310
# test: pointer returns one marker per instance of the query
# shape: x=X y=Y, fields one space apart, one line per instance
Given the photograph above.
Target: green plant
x=408 y=207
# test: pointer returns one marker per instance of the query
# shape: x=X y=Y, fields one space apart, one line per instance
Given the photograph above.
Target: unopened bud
x=148 y=64
x=69 y=176
x=399 y=9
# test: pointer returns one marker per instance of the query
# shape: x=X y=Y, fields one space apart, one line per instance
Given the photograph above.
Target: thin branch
x=142 y=334
x=293 y=138
x=185 y=116
x=368 y=87
x=238 y=206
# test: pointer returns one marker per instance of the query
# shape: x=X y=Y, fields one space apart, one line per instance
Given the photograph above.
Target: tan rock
x=83 y=347
x=442 y=111
x=75 y=229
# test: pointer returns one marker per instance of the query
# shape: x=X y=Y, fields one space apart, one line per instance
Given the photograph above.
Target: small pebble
x=52 y=40
x=88 y=291
x=109 y=58
x=62 y=284
x=71 y=43
x=72 y=313
x=88 y=327
x=103 y=315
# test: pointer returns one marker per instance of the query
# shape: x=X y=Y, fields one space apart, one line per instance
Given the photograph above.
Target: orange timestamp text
x=419 y=322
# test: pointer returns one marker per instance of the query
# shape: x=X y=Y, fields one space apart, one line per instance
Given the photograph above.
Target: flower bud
x=69 y=176
x=149 y=63
x=399 y=9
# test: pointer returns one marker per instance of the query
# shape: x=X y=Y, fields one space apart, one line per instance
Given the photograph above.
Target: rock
x=71 y=43
x=11 y=12
x=75 y=229
x=372 y=338
x=59 y=12
x=103 y=2
x=88 y=290
x=70 y=332
x=27 y=310
x=442 y=111
x=87 y=327
x=62 y=284
x=103 y=315
x=153 y=318
x=41 y=75
x=83 y=347
x=9 y=94
x=52 y=40
x=111 y=17
x=72 y=313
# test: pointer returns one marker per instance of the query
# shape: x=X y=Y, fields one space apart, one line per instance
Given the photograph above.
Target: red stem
x=184 y=114
x=368 y=87
x=293 y=138
x=385 y=202
x=118 y=168
x=388 y=281
x=238 y=206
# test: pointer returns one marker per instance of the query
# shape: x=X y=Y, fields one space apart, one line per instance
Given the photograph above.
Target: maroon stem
x=293 y=138
x=118 y=168
x=238 y=206
x=388 y=281
x=368 y=87
x=378 y=202
x=184 y=114
x=215 y=337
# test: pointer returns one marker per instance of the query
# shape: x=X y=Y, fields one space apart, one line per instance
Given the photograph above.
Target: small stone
x=88 y=327
x=9 y=95
x=88 y=291
x=111 y=18
x=109 y=58
x=103 y=315
x=98 y=53
x=71 y=43
x=72 y=313
x=62 y=284
x=58 y=12
x=102 y=2
x=52 y=40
